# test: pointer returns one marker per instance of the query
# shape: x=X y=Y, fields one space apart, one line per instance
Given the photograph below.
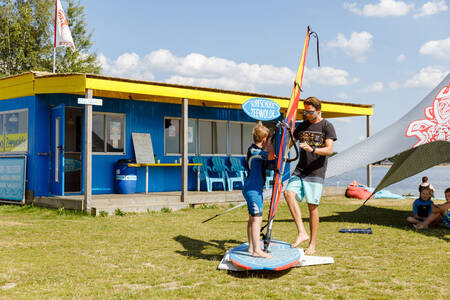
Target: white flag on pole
x=63 y=37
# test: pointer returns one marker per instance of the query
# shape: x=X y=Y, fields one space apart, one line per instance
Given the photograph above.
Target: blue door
x=57 y=150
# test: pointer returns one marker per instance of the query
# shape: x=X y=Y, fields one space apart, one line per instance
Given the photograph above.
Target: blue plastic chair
x=238 y=168
x=269 y=178
x=231 y=176
x=207 y=174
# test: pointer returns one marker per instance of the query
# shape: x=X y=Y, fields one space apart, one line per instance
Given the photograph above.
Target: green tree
x=26 y=38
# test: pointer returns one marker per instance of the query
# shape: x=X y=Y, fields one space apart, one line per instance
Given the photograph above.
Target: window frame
x=227 y=136
x=196 y=140
x=242 y=138
x=105 y=140
x=4 y=113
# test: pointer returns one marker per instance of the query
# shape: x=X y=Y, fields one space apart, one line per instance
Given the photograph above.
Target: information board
x=12 y=178
x=143 y=149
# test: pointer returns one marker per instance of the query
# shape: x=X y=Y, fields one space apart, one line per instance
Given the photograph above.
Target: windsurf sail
x=427 y=122
x=288 y=127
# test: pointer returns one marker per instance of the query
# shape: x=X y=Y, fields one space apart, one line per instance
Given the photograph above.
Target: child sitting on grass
x=438 y=213
x=422 y=207
x=257 y=158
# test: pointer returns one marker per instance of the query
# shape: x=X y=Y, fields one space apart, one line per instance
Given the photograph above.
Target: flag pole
x=54 y=39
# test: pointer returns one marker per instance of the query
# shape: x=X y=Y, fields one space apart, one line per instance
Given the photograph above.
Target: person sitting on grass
x=422 y=207
x=257 y=161
x=438 y=213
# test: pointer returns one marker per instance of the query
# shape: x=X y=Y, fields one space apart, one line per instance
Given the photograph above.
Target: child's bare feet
x=300 y=239
x=419 y=226
x=261 y=254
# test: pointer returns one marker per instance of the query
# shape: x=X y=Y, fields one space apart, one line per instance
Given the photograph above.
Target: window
x=108 y=133
x=213 y=137
x=173 y=138
x=240 y=137
x=14 y=131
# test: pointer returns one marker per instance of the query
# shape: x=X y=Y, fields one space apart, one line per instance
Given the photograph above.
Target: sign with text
x=261 y=109
x=143 y=149
x=12 y=178
x=91 y=101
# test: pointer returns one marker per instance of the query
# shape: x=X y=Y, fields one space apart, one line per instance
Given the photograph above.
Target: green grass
x=170 y=255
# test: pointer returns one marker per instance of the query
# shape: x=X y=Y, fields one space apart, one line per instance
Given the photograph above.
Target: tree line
x=27 y=33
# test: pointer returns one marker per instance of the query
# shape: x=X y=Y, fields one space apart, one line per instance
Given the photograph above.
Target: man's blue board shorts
x=312 y=191
x=254 y=202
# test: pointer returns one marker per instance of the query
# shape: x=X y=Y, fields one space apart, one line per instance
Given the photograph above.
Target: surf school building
x=41 y=120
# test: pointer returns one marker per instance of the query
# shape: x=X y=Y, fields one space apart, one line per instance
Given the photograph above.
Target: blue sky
x=383 y=52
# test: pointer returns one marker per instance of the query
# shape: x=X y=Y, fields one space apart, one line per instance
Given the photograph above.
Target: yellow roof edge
x=45 y=82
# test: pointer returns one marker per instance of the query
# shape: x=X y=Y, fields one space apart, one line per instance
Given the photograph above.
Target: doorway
x=72 y=150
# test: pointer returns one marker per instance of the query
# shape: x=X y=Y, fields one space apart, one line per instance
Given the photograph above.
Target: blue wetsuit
x=253 y=186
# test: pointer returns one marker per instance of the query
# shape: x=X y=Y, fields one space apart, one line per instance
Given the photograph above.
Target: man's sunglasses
x=311 y=112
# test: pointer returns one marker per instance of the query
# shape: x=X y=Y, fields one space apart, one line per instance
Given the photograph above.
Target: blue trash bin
x=125 y=177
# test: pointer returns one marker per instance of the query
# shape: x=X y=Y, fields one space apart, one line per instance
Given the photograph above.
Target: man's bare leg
x=313 y=226
x=297 y=216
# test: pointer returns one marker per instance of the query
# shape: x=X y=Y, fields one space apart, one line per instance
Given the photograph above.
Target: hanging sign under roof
x=91 y=101
x=261 y=109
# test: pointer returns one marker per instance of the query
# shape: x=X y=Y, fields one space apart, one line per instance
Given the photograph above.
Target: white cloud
x=375 y=87
x=401 y=57
x=197 y=69
x=427 y=77
x=394 y=85
x=439 y=49
x=431 y=8
x=342 y=95
x=384 y=8
x=356 y=46
x=328 y=76
x=214 y=72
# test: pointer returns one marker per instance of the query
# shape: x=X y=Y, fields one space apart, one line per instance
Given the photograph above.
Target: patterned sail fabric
x=428 y=121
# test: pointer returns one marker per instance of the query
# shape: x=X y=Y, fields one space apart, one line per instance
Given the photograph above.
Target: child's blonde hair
x=260 y=132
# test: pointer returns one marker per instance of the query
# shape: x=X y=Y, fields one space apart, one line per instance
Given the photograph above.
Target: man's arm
x=326 y=151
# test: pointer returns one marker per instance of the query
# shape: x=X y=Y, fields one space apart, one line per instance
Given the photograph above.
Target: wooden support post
x=369 y=167
x=184 y=155
x=87 y=153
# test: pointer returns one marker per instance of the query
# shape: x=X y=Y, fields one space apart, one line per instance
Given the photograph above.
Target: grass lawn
x=168 y=255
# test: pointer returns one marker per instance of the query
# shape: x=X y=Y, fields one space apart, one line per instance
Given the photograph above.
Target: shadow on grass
x=380 y=216
x=198 y=249
x=215 y=250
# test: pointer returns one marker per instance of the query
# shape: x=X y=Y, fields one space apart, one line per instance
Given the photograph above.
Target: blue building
x=41 y=119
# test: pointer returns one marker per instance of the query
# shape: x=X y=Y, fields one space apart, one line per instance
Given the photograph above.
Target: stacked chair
x=208 y=174
x=219 y=166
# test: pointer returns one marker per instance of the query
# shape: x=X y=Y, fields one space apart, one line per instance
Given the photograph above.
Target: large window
x=213 y=137
x=172 y=136
x=108 y=133
x=14 y=131
x=240 y=137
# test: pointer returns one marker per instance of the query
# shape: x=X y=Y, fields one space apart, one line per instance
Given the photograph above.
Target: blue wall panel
x=141 y=117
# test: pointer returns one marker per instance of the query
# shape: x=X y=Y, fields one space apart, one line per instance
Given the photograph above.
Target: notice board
x=143 y=149
x=12 y=178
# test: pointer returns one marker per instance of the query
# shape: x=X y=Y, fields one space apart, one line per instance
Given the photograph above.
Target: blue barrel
x=125 y=177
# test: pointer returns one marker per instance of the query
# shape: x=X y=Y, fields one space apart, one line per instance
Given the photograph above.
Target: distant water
x=439 y=177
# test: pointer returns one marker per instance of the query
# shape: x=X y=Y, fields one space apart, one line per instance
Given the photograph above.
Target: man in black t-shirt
x=316 y=136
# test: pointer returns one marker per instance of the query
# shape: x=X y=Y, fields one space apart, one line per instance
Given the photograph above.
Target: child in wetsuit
x=257 y=158
x=422 y=206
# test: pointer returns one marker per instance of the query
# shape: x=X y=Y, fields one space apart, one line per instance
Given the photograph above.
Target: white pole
x=54 y=59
